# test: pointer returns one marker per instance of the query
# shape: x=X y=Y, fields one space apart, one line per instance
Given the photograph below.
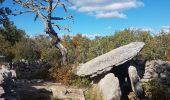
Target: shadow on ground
x=33 y=92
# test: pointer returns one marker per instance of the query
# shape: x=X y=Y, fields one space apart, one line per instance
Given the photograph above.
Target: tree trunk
x=63 y=51
x=58 y=44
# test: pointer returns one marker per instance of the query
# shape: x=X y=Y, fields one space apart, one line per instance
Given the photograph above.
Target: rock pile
x=156 y=79
x=112 y=72
x=31 y=69
x=7 y=84
x=157 y=69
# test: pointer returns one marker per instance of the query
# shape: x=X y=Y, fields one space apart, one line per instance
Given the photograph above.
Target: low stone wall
x=31 y=69
x=157 y=69
x=156 y=79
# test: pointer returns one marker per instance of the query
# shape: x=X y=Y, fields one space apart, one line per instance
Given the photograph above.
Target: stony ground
x=48 y=91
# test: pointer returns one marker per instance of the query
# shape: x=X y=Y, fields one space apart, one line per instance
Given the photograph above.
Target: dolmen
x=113 y=72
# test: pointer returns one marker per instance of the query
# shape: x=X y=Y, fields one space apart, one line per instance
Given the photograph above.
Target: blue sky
x=102 y=17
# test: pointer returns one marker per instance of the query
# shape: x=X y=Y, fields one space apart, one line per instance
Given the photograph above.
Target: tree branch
x=21 y=12
x=62 y=28
x=30 y=4
x=56 y=4
x=62 y=18
x=64 y=7
x=57 y=18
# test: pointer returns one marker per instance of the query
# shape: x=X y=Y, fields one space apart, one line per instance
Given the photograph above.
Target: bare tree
x=44 y=10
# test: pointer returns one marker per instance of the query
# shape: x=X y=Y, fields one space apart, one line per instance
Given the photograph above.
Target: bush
x=80 y=82
x=62 y=74
x=26 y=49
x=93 y=93
x=154 y=90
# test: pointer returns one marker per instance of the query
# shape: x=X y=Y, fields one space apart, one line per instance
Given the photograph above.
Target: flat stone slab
x=107 y=61
x=66 y=93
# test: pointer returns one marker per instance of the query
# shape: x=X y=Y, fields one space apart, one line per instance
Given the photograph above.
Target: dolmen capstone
x=106 y=62
x=111 y=69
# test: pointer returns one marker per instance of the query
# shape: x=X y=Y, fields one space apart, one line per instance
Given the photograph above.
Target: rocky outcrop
x=106 y=62
x=109 y=86
x=7 y=84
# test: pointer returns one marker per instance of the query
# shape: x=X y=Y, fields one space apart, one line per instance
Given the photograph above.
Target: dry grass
x=93 y=93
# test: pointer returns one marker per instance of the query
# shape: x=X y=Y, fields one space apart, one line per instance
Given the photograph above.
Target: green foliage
x=26 y=49
x=93 y=93
x=9 y=35
x=4 y=46
x=154 y=90
x=80 y=82
x=123 y=37
x=47 y=51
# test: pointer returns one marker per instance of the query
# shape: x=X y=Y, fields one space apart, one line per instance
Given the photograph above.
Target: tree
x=26 y=49
x=44 y=9
x=4 y=12
x=9 y=34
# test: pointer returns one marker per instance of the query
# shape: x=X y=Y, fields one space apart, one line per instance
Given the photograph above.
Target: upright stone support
x=135 y=81
x=109 y=87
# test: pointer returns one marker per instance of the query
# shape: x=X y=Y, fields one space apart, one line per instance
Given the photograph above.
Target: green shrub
x=80 y=82
x=154 y=90
x=93 y=93
x=26 y=49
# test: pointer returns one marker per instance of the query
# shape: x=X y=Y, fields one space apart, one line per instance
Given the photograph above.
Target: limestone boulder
x=109 y=86
x=106 y=62
x=135 y=81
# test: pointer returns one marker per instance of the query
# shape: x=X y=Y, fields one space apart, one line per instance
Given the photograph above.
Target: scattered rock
x=7 y=84
x=106 y=62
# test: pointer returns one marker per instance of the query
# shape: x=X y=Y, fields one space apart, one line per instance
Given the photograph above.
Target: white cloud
x=107 y=8
x=91 y=36
x=114 y=14
x=144 y=29
x=165 y=29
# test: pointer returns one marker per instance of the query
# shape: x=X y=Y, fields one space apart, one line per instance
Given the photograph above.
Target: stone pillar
x=135 y=81
x=109 y=86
